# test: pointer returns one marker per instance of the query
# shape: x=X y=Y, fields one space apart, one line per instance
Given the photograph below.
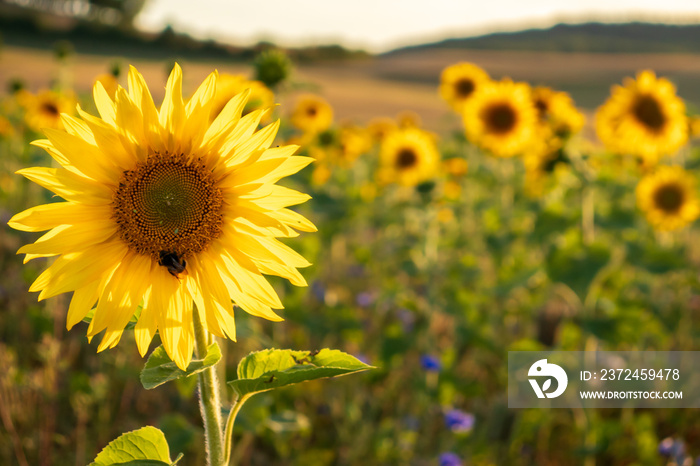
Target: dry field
x=386 y=85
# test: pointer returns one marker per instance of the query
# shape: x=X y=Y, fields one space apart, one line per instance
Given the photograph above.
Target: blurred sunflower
x=324 y=146
x=409 y=119
x=354 y=141
x=455 y=166
x=408 y=157
x=557 y=110
x=312 y=114
x=459 y=82
x=668 y=198
x=6 y=128
x=694 y=126
x=379 y=127
x=163 y=209
x=501 y=118
x=644 y=117
x=43 y=110
x=541 y=160
x=230 y=85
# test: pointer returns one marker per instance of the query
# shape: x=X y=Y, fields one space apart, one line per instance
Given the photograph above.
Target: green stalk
x=228 y=434
x=209 y=402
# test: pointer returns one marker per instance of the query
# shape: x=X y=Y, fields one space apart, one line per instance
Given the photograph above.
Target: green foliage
x=577 y=266
x=160 y=369
x=272 y=67
x=272 y=368
x=142 y=447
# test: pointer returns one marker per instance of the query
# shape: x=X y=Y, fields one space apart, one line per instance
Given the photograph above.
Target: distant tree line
x=632 y=37
x=106 y=27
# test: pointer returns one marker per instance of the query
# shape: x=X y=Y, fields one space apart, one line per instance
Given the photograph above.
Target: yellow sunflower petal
x=147 y=325
x=105 y=105
x=81 y=303
x=71 y=271
x=172 y=111
x=47 y=216
x=68 y=185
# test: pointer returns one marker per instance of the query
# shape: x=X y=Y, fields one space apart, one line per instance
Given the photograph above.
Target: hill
x=583 y=38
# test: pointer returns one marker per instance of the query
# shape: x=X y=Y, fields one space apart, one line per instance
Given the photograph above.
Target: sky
x=380 y=25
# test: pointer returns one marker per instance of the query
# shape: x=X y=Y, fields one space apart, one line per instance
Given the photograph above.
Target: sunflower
x=668 y=198
x=312 y=114
x=408 y=157
x=645 y=118
x=459 y=82
x=501 y=118
x=379 y=127
x=557 y=110
x=6 y=128
x=354 y=141
x=694 y=126
x=230 y=85
x=408 y=119
x=165 y=209
x=455 y=166
x=541 y=160
x=44 y=109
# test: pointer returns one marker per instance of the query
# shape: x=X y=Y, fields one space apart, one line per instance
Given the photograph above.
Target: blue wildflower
x=430 y=363
x=450 y=459
x=459 y=421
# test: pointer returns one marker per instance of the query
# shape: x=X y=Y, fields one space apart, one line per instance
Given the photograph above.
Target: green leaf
x=144 y=447
x=577 y=266
x=269 y=369
x=657 y=259
x=160 y=368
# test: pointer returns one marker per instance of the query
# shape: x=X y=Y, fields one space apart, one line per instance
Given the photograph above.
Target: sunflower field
x=422 y=256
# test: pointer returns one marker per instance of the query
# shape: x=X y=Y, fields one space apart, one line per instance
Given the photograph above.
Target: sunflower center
x=406 y=158
x=464 y=88
x=311 y=111
x=648 y=111
x=542 y=108
x=169 y=205
x=500 y=118
x=326 y=138
x=50 y=108
x=669 y=198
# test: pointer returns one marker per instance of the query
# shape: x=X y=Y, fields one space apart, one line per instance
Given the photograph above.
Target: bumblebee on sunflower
x=165 y=209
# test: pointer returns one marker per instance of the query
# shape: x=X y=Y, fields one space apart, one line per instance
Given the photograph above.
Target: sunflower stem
x=228 y=434
x=209 y=402
x=588 y=214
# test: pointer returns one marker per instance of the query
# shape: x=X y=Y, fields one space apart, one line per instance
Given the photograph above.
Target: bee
x=172 y=262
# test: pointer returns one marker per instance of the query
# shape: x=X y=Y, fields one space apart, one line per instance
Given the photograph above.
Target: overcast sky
x=379 y=25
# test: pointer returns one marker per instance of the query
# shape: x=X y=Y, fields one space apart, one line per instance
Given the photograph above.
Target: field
x=443 y=243
x=386 y=85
